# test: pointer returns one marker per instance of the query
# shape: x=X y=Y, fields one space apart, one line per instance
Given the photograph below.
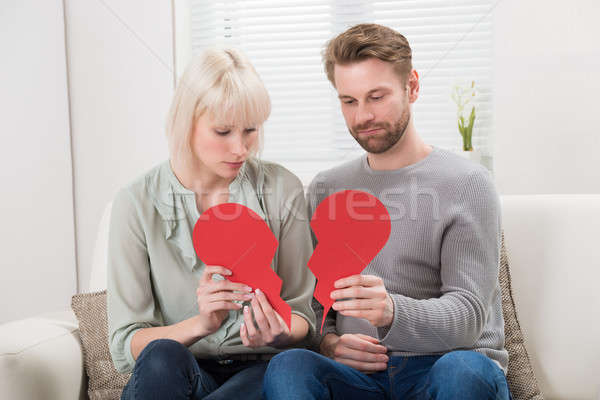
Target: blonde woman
x=178 y=324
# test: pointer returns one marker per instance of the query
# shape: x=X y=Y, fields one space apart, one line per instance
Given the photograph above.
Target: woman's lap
x=167 y=369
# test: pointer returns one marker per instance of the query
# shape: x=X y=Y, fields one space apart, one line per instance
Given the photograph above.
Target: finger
x=359 y=355
x=365 y=314
x=282 y=322
x=249 y=323
x=360 y=304
x=228 y=296
x=268 y=310
x=219 y=286
x=259 y=316
x=244 y=335
x=358 y=280
x=358 y=343
x=368 y=338
x=363 y=366
x=222 y=305
x=351 y=293
x=209 y=270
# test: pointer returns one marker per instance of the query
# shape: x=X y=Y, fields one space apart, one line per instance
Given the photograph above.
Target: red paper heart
x=234 y=236
x=351 y=227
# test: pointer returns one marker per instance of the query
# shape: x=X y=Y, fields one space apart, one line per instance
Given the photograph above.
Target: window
x=451 y=42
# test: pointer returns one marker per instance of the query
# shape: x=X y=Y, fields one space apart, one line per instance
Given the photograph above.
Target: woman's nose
x=239 y=147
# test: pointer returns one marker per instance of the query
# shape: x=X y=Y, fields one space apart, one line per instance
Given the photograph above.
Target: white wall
x=547 y=126
x=37 y=266
x=120 y=68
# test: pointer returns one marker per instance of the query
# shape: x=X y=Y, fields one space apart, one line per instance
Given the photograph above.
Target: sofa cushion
x=104 y=382
x=520 y=375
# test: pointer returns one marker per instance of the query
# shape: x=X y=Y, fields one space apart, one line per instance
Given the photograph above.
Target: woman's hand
x=215 y=298
x=270 y=329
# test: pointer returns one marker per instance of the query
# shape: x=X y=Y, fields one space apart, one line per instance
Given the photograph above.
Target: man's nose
x=363 y=115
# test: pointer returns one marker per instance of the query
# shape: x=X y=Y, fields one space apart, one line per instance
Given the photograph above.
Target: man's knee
x=296 y=360
x=468 y=371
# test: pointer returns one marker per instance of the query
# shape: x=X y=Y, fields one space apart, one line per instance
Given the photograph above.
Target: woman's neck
x=196 y=177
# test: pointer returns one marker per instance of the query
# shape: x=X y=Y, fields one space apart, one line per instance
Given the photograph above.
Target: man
x=424 y=319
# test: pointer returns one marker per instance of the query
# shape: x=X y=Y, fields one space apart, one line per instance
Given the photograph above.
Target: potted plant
x=464 y=96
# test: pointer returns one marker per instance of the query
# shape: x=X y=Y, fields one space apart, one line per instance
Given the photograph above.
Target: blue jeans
x=303 y=374
x=166 y=369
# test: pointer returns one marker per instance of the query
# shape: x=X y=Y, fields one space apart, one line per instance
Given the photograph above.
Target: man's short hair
x=364 y=41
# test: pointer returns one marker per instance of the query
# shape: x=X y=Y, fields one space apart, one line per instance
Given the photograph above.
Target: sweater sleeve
x=469 y=258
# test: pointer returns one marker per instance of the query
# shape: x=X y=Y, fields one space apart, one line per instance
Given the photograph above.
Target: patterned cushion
x=520 y=376
x=104 y=382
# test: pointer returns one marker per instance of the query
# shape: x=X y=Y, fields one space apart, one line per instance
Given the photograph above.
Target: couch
x=553 y=253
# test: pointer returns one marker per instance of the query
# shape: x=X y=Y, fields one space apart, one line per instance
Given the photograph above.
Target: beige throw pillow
x=520 y=376
x=104 y=382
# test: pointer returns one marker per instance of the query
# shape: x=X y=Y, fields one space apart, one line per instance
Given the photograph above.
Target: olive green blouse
x=153 y=270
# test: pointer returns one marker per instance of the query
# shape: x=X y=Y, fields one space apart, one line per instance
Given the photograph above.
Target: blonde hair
x=368 y=41
x=223 y=83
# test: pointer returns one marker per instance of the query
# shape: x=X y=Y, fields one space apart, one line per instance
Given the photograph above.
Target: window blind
x=451 y=42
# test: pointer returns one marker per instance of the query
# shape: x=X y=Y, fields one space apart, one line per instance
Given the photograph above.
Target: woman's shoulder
x=144 y=187
x=275 y=176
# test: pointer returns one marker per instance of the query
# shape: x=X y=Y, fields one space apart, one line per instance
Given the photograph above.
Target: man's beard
x=380 y=143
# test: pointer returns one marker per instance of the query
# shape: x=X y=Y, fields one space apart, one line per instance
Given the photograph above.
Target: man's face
x=375 y=103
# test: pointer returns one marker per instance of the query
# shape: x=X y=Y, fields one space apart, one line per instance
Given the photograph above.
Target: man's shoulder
x=454 y=168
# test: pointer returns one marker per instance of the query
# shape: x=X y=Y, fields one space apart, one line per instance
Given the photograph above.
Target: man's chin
x=375 y=146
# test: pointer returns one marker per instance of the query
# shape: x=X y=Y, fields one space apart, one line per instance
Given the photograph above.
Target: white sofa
x=552 y=242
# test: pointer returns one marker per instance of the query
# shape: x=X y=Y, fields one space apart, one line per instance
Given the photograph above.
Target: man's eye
x=347 y=101
x=376 y=98
x=222 y=133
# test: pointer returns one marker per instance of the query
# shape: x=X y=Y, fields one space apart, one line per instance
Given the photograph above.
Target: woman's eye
x=348 y=101
x=250 y=130
x=222 y=133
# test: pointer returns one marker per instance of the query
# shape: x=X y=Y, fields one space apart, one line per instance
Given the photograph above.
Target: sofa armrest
x=41 y=358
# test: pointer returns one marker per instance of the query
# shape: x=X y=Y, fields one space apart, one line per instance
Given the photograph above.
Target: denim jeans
x=465 y=375
x=166 y=369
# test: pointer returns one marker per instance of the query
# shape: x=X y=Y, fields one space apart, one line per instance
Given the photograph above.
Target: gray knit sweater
x=440 y=264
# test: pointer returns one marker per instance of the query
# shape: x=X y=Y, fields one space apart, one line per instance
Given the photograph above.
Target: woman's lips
x=235 y=165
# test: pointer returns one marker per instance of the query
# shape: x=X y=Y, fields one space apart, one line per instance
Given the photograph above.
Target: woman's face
x=222 y=148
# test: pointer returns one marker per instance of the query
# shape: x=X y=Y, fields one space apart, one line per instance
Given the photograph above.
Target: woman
x=177 y=323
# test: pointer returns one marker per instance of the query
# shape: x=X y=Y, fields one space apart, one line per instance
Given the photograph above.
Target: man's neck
x=408 y=150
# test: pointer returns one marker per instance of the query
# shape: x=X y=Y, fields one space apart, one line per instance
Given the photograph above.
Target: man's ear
x=413 y=86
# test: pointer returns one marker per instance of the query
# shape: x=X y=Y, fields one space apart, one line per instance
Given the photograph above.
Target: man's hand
x=358 y=351
x=366 y=298
x=270 y=328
